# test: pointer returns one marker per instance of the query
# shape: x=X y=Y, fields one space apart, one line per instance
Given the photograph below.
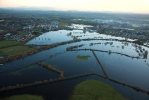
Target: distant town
x=22 y=26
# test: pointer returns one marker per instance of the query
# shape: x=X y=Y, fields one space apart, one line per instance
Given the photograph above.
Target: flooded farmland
x=121 y=59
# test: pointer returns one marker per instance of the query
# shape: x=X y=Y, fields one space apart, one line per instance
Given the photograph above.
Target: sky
x=135 y=6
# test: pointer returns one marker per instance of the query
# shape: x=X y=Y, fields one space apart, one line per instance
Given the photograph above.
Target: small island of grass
x=95 y=90
x=83 y=57
x=23 y=97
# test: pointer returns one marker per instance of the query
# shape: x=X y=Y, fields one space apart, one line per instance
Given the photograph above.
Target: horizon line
x=35 y=8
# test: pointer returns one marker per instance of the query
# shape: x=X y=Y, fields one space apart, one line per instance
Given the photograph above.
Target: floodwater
x=132 y=69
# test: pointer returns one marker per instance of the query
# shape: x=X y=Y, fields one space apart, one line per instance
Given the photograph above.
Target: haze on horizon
x=134 y=6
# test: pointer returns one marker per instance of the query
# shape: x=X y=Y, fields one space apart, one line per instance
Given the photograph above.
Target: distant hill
x=29 y=8
x=70 y=14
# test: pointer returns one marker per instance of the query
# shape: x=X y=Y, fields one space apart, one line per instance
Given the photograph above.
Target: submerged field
x=53 y=73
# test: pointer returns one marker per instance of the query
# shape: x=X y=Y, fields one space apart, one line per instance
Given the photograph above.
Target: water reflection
x=65 y=35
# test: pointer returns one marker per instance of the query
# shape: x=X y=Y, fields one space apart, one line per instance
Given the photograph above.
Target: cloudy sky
x=137 y=6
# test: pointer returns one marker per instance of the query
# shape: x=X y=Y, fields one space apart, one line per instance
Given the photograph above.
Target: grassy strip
x=83 y=57
x=95 y=90
x=6 y=43
x=11 y=51
x=50 y=67
x=23 y=97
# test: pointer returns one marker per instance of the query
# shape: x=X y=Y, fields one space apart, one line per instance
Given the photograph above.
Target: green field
x=63 y=25
x=11 y=51
x=95 y=90
x=23 y=33
x=23 y=97
x=83 y=57
x=8 y=43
